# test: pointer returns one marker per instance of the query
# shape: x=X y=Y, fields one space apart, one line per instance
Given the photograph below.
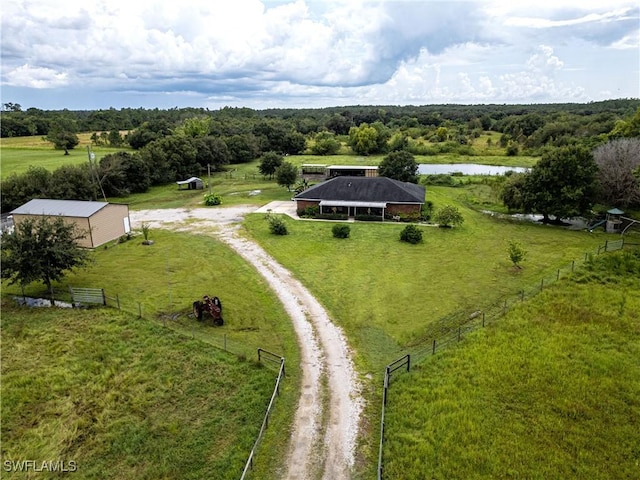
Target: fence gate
x=88 y=295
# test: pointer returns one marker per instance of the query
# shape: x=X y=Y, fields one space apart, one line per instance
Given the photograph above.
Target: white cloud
x=36 y=77
x=358 y=51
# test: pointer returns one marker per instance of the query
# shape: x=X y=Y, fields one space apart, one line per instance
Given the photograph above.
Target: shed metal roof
x=189 y=180
x=64 y=208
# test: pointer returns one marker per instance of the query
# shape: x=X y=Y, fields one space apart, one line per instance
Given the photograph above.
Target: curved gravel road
x=323 y=442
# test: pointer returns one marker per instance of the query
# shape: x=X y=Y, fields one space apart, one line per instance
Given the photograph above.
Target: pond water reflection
x=465 y=169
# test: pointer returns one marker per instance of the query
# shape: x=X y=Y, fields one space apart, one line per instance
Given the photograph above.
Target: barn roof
x=364 y=189
x=65 y=208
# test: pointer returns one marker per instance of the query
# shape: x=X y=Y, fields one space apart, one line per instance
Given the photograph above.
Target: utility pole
x=93 y=166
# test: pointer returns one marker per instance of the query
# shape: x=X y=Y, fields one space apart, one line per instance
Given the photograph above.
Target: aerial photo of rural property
x=320 y=240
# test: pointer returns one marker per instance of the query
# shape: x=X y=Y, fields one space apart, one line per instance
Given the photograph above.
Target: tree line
x=170 y=145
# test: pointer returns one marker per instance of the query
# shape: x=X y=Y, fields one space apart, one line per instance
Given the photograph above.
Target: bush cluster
x=211 y=199
x=341 y=231
x=411 y=234
x=277 y=226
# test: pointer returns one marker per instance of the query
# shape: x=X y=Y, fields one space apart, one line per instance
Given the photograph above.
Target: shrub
x=448 y=216
x=516 y=253
x=368 y=218
x=426 y=211
x=277 y=226
x=411 y=234
x=341 y=231
x=211 y=199
x=309 y=212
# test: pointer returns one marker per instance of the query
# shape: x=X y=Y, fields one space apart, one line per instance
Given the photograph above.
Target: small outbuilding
x=193 y=183
x=102 y=221
x=614 y=220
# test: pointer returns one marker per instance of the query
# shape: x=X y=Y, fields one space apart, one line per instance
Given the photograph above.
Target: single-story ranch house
x=101 y=221
x=371 y=196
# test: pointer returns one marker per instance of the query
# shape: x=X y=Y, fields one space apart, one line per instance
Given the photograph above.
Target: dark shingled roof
x=365 y=189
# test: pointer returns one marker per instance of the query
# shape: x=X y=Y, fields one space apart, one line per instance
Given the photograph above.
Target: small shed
x=351 y=171
x=102 y=221
x=614 y=220
x=193 y=183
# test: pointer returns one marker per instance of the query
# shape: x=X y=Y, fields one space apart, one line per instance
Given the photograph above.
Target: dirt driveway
x=327 y=420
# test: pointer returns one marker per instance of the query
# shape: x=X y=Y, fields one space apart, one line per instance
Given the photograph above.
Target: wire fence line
x=223 y=342
x=98 y=296
x=452 y=328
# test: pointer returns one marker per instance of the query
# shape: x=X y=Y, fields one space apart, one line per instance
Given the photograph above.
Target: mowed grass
x=388 y=295
x=550 y=391
x=17 y=154
x=124 y=398
x=161 y=281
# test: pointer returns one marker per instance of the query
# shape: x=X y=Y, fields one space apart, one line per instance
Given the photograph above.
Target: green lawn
x=388 y=294
x=550 y=391
x=17 y=154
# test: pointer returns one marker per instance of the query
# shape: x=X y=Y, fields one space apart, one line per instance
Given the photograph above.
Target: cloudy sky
x=312 y=53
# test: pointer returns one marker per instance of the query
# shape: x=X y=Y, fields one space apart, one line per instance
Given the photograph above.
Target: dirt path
x=326 y=422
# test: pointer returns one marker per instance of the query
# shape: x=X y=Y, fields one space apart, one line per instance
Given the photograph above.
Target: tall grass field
x=551 y=391
x=122 y=398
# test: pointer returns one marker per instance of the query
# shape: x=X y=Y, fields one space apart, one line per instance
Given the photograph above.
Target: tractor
x=210 y=305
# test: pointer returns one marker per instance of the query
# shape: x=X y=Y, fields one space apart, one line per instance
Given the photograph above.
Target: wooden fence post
x=139 y=310
x=433 y=352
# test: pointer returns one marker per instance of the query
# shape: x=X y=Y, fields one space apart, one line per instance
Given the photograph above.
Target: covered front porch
x=353 y=209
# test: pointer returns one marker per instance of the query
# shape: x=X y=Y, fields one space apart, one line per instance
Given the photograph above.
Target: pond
x=465 y=169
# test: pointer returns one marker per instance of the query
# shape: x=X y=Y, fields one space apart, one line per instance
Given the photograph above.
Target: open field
x=550 y=391
x=387 y=294
x=17 y=154
x=124 y=398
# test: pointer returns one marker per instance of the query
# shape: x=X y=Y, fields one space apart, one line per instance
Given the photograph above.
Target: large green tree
x=325 y=143
x=562 y=184
x=363 y=140
x=123 y=173
x=20 y=188
x=286 y=174
x=399 y=165
x=42 y=249
x=269 y=163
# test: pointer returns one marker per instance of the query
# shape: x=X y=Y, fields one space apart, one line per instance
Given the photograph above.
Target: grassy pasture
x=551 y=391
x=124 y=398
x=166 y=278
x=388 y=294
x=17 y=154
